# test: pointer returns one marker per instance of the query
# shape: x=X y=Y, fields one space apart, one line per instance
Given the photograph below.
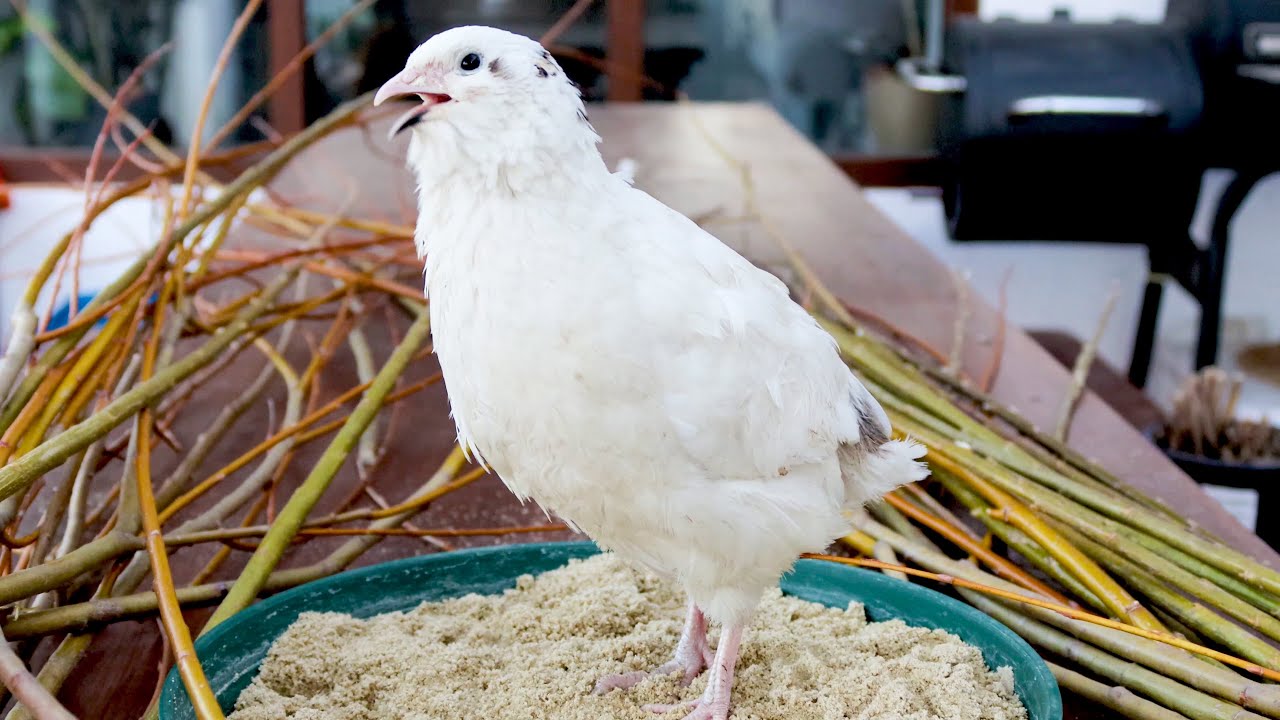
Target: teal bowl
x=232 y=652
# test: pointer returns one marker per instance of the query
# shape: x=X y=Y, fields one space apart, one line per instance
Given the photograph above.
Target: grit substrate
x=536 y=652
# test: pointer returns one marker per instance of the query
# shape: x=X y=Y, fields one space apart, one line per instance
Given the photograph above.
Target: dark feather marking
x=582 y=115
x=542 y=72
x=495 y=66
x=546 y=55
x=869 y=430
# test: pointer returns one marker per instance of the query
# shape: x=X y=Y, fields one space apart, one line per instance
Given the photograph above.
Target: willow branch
x=19 y=474
x=1155 y=652
x=220 y=65
x=1168 y=692
x=1115 y=697
x=295 y=512
x=22 y=340
x=1080 y=373
x=29 y=692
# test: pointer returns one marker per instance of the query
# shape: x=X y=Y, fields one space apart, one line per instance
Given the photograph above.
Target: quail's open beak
x=403 y=84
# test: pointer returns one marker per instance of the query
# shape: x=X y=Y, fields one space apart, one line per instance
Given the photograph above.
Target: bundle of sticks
x=1203 y=422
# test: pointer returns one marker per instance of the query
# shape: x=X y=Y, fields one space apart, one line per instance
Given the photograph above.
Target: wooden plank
x=287 y=35
x=893 y=171
x=625 y=49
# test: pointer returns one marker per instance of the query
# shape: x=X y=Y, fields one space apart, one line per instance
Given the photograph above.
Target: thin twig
x=27 y=689
x=961 y=283
x=175 y=626
x=1081 y=371
x=197 y=133
x=997 y=345
x=367 y=452
x=885 y=554
x=19 y=474
x=291 y=68
x=294 y=514
x=564 y=22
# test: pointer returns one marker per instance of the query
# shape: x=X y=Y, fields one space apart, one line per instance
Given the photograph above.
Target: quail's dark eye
x=470 y=62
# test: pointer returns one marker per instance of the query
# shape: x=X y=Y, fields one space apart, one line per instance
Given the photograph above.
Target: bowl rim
x=266 y=607
x=1152 y=433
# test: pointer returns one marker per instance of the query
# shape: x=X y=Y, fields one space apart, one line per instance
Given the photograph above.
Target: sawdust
x=537 y=651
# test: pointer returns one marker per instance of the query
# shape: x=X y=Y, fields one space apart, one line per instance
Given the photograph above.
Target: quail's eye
x=470 y=62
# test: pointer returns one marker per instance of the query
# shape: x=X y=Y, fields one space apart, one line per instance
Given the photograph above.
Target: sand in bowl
x=536 y=652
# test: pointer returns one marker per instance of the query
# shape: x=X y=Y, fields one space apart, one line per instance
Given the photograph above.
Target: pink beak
x=408 y=82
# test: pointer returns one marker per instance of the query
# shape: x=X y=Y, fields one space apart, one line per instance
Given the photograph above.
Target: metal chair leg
x=1144 y=339
x=1211 y=270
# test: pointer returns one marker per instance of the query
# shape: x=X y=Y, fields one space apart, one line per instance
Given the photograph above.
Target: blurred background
x=1055 y=152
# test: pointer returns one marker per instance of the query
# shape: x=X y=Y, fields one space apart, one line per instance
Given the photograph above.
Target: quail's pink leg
x=693 y=654
x=714 y=703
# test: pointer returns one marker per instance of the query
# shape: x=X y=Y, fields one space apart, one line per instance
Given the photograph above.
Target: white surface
x=199 y=30
x=1240 y=502
x=1081 y=10
x=38 y=217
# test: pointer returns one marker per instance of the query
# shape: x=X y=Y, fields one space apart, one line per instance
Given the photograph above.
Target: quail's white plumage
x=617 y=364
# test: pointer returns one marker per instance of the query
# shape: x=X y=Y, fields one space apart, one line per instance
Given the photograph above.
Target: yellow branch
x=1072 y=613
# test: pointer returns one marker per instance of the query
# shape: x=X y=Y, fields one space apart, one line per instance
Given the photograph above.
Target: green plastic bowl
x=232 y=652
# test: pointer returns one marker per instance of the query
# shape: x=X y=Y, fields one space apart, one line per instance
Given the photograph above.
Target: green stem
x=991 y=407
x=250 y=179
x=294 y=514
x=1018 y=540
x=56 y=573
x=19 y=474
x=1172 y=662
x=1187 y=582
x=1198 y=568
x=1115 y=697
x=83 y=616
x=1196 y=615
x=1167 y=692
x=53 y=674
x=889 y=515
x=1065 y=508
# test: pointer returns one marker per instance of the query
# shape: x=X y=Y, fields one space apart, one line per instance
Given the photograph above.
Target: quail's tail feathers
x=870 y=473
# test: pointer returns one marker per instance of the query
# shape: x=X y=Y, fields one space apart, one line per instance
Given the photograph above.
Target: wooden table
x=860 y=254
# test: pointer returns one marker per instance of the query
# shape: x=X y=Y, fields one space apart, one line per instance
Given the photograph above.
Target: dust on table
x=536 y=652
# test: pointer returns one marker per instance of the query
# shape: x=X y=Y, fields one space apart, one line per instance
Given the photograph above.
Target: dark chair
x=1102 y=133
